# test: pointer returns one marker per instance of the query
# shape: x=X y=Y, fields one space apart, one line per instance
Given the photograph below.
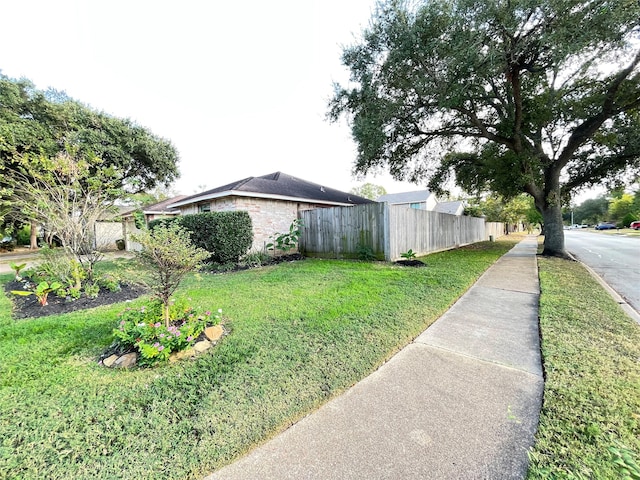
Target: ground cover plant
x=301 y=332
x=590 y=420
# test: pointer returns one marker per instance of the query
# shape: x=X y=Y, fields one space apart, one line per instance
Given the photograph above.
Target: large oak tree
x=511 y=96
x=49 y=123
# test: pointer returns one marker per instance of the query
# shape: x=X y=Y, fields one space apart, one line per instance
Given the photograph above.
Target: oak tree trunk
x=553 y=231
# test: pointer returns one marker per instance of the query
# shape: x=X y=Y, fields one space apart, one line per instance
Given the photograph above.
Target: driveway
x=616 y=258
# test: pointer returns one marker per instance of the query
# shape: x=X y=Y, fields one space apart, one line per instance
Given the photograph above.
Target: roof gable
x=452 y=208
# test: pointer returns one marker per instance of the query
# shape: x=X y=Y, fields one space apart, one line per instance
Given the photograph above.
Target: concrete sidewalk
x=460 y=402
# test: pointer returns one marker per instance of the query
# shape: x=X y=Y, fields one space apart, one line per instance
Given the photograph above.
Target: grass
x=300 y=333
x=591 y=352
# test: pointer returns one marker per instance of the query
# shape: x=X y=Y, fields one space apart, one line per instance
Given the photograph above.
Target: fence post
x=386 y=232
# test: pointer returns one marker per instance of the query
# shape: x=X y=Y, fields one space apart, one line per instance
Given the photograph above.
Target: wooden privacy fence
x=386 y=231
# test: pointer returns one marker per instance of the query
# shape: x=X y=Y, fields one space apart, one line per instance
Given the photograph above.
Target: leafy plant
x=289 y=240
x=255 y=259
x=365 y=253
x=110 y=282
x=17 y=268
x=57 y=265
x=140 y=329
x=410 y=255
x=70 y=293
x=41 y=291
x=92 y=290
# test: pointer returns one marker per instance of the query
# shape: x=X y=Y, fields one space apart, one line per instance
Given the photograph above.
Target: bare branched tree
x=67 y=195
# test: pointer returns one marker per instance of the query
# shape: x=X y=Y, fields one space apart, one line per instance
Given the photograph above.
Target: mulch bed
x=28 y=307
x=411 y=263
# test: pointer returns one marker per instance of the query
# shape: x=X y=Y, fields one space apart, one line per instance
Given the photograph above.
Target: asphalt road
x=616 y=258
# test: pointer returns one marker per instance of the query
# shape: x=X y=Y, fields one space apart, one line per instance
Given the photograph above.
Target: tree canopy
x=533 y=96
x=49 y=123
x=591 y=211
x=369 y=190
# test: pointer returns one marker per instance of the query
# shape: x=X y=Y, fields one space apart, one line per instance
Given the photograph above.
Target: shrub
x=227 y=236
x=628 y=219
x=365 y=253
x=23 y=235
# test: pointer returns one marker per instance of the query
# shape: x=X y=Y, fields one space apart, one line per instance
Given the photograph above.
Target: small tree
x=67 y=194
x=168 y=252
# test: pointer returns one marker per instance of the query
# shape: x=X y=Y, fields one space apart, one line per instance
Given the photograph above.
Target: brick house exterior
x=273 y=202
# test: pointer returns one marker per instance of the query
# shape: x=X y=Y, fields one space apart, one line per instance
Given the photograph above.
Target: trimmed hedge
x=227 y=236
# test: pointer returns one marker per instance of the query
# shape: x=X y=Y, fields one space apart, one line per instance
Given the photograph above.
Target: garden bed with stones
x=114 y=358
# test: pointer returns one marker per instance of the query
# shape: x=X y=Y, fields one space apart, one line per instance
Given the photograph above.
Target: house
x=423 y=200
x=452 y=208
x=149 y=212
x=273 y=202
x=420 y=200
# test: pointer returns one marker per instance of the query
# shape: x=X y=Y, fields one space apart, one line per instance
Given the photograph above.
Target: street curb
x=628 y=309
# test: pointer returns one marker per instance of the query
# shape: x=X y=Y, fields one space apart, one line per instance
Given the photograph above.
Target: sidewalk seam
x=478 y=359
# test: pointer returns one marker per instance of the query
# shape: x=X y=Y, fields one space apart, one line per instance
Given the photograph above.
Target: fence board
x=387 y=231
x=339 y=232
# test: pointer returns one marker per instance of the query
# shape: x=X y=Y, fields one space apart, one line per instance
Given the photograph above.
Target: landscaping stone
x=214 y=333
x=109 y=361
x=126 y=360
x=202 y=346
x=182 y=354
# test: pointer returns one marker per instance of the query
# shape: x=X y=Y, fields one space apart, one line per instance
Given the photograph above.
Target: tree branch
x=586 y=129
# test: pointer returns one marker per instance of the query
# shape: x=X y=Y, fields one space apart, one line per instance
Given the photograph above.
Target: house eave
x=161 y=212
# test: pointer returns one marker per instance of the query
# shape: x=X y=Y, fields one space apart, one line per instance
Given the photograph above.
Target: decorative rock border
x=211 y=337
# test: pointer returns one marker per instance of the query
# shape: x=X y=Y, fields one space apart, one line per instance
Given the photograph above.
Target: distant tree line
x=617 y=207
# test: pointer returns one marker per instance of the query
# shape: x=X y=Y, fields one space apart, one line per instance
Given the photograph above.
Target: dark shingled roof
x=283 y=185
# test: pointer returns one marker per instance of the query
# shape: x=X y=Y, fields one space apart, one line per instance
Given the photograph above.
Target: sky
x=239 y=88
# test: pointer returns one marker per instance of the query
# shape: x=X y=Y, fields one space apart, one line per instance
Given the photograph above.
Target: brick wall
x=267 y=216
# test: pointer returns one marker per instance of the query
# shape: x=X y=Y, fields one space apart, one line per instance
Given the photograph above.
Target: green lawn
x=591 y=353
x=300 y=333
